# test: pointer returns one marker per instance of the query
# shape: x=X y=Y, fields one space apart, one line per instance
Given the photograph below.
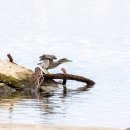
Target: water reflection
x=38 y=108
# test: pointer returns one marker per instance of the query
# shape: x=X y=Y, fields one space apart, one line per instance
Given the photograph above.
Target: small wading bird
x=49 y=63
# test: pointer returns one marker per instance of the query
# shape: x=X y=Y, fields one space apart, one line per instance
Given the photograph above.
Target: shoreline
x=50 y=127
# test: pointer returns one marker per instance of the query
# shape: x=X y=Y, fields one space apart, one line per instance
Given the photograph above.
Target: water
x=95 y=35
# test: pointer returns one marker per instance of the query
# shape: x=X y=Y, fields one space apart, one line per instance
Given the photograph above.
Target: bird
x=46 y=60
x=49 y=63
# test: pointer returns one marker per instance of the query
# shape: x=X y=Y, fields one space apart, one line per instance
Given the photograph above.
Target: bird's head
x=46 y=56
x=64 y=60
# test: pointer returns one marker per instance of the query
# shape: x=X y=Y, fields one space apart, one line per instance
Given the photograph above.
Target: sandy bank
x=48 y=127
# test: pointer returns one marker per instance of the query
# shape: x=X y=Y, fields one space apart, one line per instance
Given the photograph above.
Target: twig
x=10 y=58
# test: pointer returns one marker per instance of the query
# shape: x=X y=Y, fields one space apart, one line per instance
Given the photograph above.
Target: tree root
x=69 y=77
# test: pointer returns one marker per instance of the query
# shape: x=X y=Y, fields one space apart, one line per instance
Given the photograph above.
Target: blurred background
x=94 y=34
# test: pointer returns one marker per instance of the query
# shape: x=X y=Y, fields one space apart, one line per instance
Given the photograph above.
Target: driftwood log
x=18 y=77
x=70 y=77
x=14 y=75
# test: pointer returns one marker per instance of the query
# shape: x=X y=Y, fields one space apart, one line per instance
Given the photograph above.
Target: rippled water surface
x=95 y=35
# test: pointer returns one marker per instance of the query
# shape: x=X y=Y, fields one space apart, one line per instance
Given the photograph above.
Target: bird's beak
x=69 y=60
x=41 y=59
x=55 y=58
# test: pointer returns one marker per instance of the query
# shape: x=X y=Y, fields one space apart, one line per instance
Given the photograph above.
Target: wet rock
x=6 y=90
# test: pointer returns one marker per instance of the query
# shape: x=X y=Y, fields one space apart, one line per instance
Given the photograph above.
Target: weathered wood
x=19 y=77
x=70 y=77
x=10 y=58
x=38 y=83
x=14 y=75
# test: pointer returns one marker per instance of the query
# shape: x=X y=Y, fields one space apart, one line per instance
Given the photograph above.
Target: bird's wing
x=53 y=56
x=51 y=61
x=45 y=56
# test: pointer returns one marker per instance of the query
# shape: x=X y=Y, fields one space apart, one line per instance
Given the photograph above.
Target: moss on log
x=14 y=75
